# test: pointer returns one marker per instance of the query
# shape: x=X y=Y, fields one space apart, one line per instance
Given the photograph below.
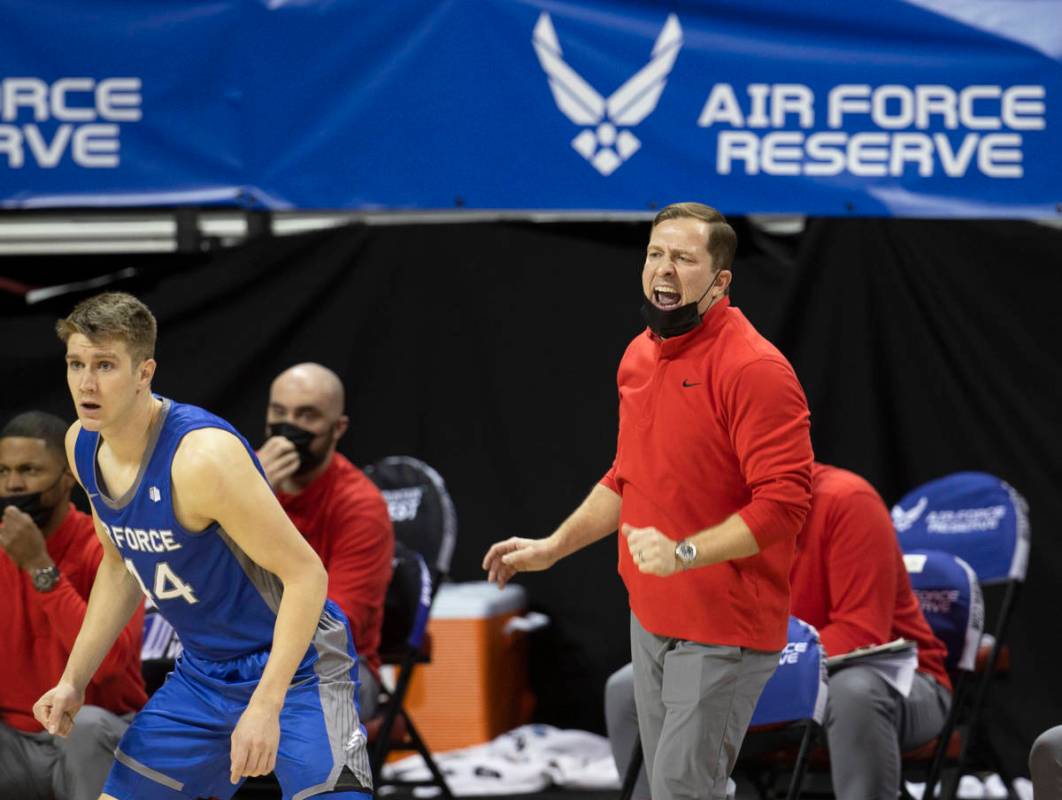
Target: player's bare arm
x=595 y=518
x=215 y=479
x=114 y=598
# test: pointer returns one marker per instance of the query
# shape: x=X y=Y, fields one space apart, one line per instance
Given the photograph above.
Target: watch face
x=686 y=552
x=44 y=579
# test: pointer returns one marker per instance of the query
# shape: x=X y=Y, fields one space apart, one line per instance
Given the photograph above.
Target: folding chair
x=425 y=524
x=984 y=521
x=790 y=709
x=950 y=596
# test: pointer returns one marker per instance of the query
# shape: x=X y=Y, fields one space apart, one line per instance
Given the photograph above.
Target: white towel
x=527 y=759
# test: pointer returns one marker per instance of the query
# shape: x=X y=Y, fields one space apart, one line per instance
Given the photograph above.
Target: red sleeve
x=65 y=608
x=359 y=567
x=861 y=573
x=609 y=479
x=770 y=432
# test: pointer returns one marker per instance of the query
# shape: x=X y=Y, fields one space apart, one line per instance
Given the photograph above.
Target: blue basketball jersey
x=221 y=604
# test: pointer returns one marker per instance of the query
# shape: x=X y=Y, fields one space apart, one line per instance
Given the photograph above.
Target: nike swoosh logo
x=686 y=384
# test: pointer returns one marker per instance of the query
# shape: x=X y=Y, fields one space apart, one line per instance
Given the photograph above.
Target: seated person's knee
x=856 y=689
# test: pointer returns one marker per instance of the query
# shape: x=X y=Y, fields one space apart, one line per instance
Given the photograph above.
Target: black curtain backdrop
x=490 y=350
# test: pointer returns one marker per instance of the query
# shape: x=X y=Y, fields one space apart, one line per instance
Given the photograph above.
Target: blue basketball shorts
x=178 y=746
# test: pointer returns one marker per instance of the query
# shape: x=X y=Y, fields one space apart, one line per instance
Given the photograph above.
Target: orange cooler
x=476 y=686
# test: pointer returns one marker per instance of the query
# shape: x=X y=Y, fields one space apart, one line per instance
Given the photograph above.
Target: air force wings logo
x=903 y=519
x=605 y=140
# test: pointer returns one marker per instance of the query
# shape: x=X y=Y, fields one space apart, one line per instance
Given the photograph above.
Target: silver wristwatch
x=686 y=553
x=45 y=578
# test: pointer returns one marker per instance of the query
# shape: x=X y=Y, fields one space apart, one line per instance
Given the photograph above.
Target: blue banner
x=933 y=108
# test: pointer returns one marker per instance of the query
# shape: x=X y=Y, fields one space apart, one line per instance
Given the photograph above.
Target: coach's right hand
x=279 y=459
x=57 y=708
x=505 y=559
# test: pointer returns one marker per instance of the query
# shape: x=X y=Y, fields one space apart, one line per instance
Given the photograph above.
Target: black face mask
x=301 y=438
x=673 y=321
x=30 y=503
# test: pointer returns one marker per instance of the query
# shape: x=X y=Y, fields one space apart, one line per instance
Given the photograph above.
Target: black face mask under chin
x=301 y=438
x=30 y=503
x=673 y=321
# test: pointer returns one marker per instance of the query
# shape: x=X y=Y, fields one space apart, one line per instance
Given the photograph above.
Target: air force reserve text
x=40 y=122
x=873 y=131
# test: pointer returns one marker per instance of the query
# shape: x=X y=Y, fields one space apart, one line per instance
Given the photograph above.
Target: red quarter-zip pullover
x=40 y=628
x=713 y=423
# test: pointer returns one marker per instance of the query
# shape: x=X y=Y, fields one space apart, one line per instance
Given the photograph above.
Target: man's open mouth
x=666 y=298
x=89 y=406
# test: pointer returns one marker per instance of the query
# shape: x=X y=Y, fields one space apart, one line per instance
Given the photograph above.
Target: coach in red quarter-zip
x=709 y=488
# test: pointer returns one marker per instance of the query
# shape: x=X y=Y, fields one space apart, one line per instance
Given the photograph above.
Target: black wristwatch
x=45 y=578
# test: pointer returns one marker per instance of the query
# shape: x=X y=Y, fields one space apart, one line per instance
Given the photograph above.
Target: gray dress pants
x=694 y=703
x=39 y=766
x=1045 y=765
x=869 y=724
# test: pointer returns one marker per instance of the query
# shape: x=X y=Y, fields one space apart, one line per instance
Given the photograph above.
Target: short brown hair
x=722 y=241
x=113 y=316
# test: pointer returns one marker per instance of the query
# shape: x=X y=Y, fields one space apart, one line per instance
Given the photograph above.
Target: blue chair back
x=407 y=605
x=950 y=596
x=420 y=620
x=797 y=690
x=973 y=515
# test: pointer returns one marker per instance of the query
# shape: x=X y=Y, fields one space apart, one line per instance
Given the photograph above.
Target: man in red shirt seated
x=49 y=560
x=336 y=507
x=849 y=581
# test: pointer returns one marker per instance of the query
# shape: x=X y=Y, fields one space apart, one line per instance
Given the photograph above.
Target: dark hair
x=39 y=425
x=113 y=315
x=722 y=241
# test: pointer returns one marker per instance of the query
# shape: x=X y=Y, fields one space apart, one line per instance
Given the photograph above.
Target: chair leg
x=633 y=770
x=944 y=739
x=950 y=789
x=983 y=687
x=393 y=708
x=1001 y=769
x=425 y=753
x=935 y=768
x=800 y=767
x=383 y=739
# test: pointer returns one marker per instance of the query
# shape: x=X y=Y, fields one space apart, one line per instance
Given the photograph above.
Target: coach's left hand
x=254 y=742
x=652 y=551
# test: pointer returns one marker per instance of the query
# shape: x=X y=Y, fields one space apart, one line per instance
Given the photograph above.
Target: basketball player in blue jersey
x=268 y=676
